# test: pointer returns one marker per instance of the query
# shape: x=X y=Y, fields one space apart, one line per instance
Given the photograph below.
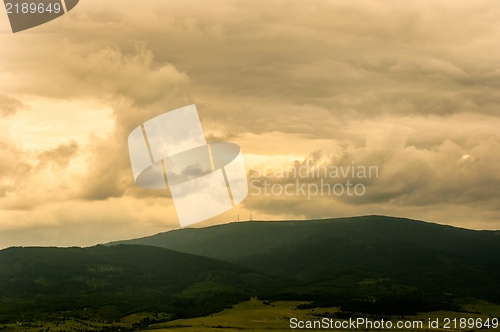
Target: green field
x=253 y=315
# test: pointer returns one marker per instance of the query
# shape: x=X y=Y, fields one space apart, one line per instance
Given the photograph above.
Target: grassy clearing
x=253 y=315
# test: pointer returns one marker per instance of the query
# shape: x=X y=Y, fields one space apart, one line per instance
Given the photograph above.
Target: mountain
x=370 y=265
x=101 y=280
x=367 y=257
x=242 y=242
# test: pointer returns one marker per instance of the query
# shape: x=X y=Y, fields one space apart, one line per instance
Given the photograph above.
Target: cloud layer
x=408 y=88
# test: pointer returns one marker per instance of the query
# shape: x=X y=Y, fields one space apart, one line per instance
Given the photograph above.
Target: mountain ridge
x=369 y=264
x=210 y=241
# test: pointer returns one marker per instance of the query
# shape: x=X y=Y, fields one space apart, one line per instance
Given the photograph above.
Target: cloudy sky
x=411 y=88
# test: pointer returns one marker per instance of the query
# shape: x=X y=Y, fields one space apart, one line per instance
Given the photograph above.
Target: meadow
x=252 y=315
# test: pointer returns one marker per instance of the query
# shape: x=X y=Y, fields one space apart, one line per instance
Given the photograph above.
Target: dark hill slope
x=237 y=242
x=128 y=278
x=368 y=256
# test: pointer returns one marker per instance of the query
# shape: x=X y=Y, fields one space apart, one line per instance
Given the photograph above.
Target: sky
x=407 y=88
